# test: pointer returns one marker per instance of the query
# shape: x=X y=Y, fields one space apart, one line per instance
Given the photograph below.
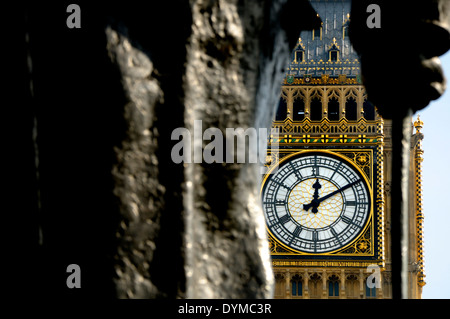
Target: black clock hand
x=316 y=201
x=316 y=187
x=338 y=191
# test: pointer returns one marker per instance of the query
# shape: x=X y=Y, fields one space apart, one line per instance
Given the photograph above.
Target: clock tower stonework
x=325 y=194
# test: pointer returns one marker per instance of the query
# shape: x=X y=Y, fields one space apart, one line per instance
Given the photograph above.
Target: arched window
x=298 y=109
x=315 y=286
x=333 y=51
x=352 y=287
x=299 y=55
x=370 y=292
x=282 y=110
x=369 y=110
x=333 y=286
x=351 y=109
x=279 y=286
x=345 y=27
x=334 y=55
x=333 y=289
x=333 y=109
x=316 y=109
x=317 y=33
x=299 y=52
x=345 y=31
x=297 y=286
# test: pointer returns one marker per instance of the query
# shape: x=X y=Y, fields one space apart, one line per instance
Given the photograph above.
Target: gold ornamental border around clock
x=361 y=160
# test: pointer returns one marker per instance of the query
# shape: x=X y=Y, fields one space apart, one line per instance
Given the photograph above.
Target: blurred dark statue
x=399 y=61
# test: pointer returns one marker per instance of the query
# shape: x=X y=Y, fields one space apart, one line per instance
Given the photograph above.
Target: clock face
x=316 y=202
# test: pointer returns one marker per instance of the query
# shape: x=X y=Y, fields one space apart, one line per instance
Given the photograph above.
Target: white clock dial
x=316 y=202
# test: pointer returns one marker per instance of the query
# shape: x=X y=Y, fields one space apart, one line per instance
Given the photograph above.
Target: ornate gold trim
x=321 y=263
x=335 y=129
x=418 y=159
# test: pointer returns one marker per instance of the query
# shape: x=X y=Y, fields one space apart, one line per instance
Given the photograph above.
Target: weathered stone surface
x=114 y=202
x=236 y=58
x=140 y=194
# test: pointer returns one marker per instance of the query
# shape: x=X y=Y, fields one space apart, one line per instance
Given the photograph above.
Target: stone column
x=308 y=103
x=288 y=287
x=341 y=91
x=306 y=287
x=362 y=286
x=342 y=294
x=324 y=284
x=324 y=91
x=290 y=104
x=359 y=102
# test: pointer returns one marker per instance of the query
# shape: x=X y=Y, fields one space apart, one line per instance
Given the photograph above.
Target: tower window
x=316 y=109
x=352 y=287
x=333 y=109
x=333 y=51
x=296 y=285
x=317 y=34
x=333 y=56
x=370 y=292
x=333 y=288
x=315 y=286
x=297 y=288
x=279 y=285
x=351 y=109
x=345 y=31
x=298 y=109
x=281 y=111
x=299 y=55
x=369 y=110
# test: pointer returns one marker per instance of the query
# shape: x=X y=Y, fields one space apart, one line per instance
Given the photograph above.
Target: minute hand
x=319 y=200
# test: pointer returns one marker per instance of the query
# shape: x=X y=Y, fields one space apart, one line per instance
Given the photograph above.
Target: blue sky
x=436 y=191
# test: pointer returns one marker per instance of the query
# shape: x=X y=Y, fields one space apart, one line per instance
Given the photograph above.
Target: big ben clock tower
x=324 y=195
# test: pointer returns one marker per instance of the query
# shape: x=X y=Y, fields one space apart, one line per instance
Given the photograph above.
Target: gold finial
x=300 y=43
x=418 y=124
x=335 y=43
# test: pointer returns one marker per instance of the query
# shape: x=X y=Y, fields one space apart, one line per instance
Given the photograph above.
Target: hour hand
x=316 y=187
x=314 y=203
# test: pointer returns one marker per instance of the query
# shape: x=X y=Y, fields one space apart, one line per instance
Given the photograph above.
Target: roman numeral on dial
x=281 y=184
x=297 y=231
x=276 y=202
x=284 y=219
x=297 y=173
x=346 y=219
